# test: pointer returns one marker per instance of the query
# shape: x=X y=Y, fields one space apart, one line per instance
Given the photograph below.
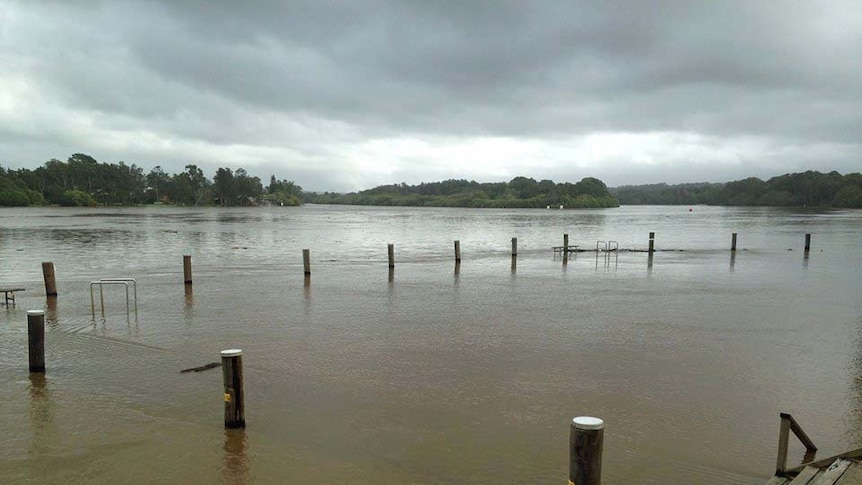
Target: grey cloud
x=301 y=76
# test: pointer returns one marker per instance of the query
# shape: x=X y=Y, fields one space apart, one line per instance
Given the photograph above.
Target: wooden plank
x=797 y=430
x=853 y=475
x=832 y=474
x=783 y=439
x=777 y=481
x=805 y=476
x=823 y=463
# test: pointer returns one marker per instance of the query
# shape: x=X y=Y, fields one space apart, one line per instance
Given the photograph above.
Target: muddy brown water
x=432 y=377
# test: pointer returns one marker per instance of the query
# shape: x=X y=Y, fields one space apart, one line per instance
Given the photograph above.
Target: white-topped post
x=585 y=450
x=36 y=339
x=234 y=406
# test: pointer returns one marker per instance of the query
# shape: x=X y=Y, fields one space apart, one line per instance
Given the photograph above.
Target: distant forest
x=812 y=189
x=83 y=181
x=519 y=192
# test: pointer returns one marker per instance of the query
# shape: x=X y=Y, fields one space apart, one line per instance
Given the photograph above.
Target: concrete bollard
x=36 y=339
x=50 y=282
x=187 y=269
x=306 y=262
x=585 y=451
x=234 y=406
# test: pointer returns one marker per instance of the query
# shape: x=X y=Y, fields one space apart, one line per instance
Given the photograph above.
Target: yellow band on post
x=226 y=397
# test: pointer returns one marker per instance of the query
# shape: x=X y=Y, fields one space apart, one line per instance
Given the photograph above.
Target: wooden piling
x=807 y=243
x=234 y=408
x=585 y=451
x=391 y=250
x=733 y=242
x=306 y=262
x=566 y=249
x=187 y=269
x=36 y=339
x=514 y=247
x=457 y=252
x=50 y=282
x=652 y=242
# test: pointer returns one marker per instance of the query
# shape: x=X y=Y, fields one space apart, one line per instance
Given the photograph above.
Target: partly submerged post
x=652 y=242
x=391 y=250
x=457 y=252
x=234 y=408
x=733 y=242
x=514 y=247
x=306 y=262
x=187 y=269
x=585 y=451
x=807 y=242
x=36 y=339
x=565 y=248
x=50 y=282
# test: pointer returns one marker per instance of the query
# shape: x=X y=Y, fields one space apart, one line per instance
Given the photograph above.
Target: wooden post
x=234 y=408
x=36 y=339
x=514 y=247
x=457 y=252
x=566 y=248
x=652 y=242
x=187 y=269
x=306 y=261
x=733 y=242
x=50 y=282
x=807 y=243
x=585 y=451
x=391 y=250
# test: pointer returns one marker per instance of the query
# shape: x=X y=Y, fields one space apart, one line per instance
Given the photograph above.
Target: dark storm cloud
x=302 y=84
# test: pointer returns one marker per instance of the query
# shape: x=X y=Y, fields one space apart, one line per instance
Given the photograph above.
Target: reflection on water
x=306 y=296
x=235 y=468
x=41 y=422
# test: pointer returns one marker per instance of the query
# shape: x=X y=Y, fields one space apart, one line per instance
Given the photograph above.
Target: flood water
x=430 y=376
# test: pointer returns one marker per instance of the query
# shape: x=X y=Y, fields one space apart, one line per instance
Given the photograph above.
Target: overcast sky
x=349 y=95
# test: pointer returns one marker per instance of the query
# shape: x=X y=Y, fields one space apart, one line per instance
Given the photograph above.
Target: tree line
x=519 y=192
x=83 y=181
x=811 y=189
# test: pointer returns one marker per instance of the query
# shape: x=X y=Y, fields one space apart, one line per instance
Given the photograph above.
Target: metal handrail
x=601 y=243
x=134 y=283
x=112 y=281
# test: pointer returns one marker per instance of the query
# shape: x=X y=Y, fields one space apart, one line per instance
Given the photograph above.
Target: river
x=430 y=376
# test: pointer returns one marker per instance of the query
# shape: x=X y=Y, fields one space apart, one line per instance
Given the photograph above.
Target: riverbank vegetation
x=83 y=181
x=805 y=189
x=519 y=192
